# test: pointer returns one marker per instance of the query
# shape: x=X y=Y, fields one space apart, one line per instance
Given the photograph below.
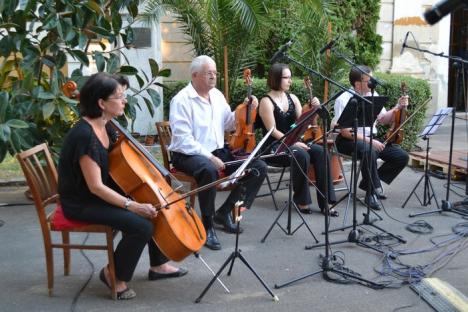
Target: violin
x=396 y=133
x=244 y=136
x=313 y=131
x=178 y=231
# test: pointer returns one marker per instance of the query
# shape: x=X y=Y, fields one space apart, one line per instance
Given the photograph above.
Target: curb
x=13 y=182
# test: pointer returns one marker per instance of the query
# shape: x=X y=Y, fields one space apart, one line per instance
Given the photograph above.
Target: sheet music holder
x=239 y=172
x=435 y=121
x=365 y=116
x=297 y=130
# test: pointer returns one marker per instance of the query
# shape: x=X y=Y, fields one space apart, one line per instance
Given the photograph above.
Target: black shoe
x=380 y=193
x=226 y=221
x=152 y=276
x=212 y=241
x=371 y=202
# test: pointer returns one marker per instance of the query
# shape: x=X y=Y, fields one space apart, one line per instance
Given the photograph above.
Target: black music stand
x=236 y=254
x=327 y=267
x=288 y=139
x=357 y=115
x=428 y=191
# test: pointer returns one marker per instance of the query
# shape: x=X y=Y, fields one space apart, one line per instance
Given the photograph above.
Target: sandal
x=125 y=294
x=331 y=212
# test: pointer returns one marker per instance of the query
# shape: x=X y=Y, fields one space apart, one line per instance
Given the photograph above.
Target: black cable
x=86 y=283
x=420 y=227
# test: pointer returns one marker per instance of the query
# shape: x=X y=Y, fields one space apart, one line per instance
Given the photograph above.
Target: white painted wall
x=397 y=17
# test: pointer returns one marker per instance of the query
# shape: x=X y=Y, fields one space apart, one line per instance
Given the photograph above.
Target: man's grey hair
x=198 y=62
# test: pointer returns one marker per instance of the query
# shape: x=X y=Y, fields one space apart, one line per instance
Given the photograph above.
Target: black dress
x=80 y=203
x=301 y=159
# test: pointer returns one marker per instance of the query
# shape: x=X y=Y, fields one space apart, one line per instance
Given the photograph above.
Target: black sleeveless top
x=283 y=120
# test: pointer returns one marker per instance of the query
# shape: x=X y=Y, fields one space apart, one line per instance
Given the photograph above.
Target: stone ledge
x=13 y=182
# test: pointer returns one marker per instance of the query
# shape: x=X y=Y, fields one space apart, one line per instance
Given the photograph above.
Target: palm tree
x=219 y=28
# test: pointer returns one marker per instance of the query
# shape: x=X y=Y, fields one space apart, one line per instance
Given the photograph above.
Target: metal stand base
x=327 y=267
x=236 y=254
x=289 y=207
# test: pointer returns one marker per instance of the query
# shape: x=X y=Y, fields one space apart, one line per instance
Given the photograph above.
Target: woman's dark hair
x=122 y=80
x=356 y=72
x=99 y=86
x=275 y=74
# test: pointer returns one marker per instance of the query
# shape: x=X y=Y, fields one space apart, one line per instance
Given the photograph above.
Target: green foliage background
x=418 y=91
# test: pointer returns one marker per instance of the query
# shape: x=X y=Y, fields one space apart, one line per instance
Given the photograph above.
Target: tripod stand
x=288 y=139
x=236 y=254
x=289 y=207
x=355 y=115
x=429 y=193
x=460 y=64
x=428 y=188
x=327 y=266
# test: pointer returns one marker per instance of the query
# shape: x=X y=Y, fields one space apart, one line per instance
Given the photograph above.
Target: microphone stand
x=305 y=118
x=460 y=65
x=327 y=265
x=370 y=185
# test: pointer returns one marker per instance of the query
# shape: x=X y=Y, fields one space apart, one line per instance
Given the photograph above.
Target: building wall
x=176 y=50
x=397 y=18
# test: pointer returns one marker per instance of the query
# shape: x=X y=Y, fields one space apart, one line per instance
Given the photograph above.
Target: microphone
x=329 y=45
x=281 y=51
x=404 y=43
x=440 y=9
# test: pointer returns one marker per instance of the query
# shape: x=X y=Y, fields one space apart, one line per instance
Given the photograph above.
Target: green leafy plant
x=37 y=37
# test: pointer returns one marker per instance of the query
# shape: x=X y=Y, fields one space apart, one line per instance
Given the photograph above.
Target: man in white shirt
x=394 y=157
x=199 y=116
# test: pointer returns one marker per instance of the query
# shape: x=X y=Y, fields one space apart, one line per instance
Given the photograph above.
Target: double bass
x=396 y=133
x=314 y=131
x=178 y=231
x=244 y=136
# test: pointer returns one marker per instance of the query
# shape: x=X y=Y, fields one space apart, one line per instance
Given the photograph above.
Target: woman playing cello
x=88 y=194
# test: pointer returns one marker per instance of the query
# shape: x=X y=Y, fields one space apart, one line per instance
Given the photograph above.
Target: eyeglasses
x=120 y=97
x=210 y=73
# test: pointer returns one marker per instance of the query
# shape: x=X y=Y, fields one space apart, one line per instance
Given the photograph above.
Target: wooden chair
x=41 y=175
x=165 y=136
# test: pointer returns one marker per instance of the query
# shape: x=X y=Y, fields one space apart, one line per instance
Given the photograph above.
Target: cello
x=244 y=136
x=178 y=231
x=396 y=133
x=313 y=131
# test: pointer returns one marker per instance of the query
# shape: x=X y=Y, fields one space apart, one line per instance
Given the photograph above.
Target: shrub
x=418 y=91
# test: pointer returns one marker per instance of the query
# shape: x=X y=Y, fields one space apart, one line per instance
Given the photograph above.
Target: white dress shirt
x=197 y=124
x=340 y=104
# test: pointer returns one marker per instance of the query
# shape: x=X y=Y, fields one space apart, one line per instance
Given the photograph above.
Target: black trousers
x=394 y=157
x=204 y=172
x=300 y=166
x=136 y=233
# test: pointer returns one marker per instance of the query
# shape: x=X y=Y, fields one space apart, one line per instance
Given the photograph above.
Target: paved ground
x=281 y=258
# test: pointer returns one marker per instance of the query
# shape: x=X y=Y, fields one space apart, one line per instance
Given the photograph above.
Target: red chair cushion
x=60 y=222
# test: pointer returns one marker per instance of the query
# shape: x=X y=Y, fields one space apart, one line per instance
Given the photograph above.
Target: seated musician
x=280 y=109
x=199 y=116
x=394 y=157
x=88 y=194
